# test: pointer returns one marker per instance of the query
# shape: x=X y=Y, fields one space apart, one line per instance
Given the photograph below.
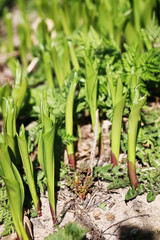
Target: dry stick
x=93 y=149
x=32 y=65
x=142 y=215
x=83 y=217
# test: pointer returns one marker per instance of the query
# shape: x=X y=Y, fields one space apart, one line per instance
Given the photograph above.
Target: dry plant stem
x=101 y=147
x=132 y=174
x=113 y=159
x=72 y=161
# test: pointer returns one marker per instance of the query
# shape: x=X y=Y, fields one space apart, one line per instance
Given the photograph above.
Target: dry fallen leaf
x=96 y=214
x=28 y=227
x=110 y=216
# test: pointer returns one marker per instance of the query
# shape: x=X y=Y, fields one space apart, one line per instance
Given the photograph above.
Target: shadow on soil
x=134 y=233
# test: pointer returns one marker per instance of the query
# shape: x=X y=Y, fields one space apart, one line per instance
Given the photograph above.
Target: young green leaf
x=46 y=153
x=8 y=23
x=151 y=196
x=57 y=67
x=15 y=189
x=5 y=92
x=28 y=167
x=117 y=122
x=48 y=69
x=10 y=130
x=69 y=119
x=20 y=87
x=132 y=135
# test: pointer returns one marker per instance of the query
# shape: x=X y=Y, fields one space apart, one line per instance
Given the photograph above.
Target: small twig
x=32 y=64
x=84 y=219
x=67 y=206
x=113 y=225
x=93 y=150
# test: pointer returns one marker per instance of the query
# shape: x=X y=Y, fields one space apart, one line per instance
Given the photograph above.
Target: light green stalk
x=11 y=108
x=69 y=119
x=118 y=100
x=22 y=47
x=55 y=15
x=46 y=153
x=91 y=86
x=28 y=167
x=112 y=88
x=57 y=67
x=130 y=33
x=25 y=23
x=43 y=34
x=148 y=8
x=5 y=92
x=65 y=20
x=8 y=23
x=73 y=56
x=19 y=94
x=66 y=60
x=20 y=88
x=15 y=189
x=91 y=95
x=137 y=15
x=134 y=82
x=39 y=8
x=133 y=121
x=116 y=129
x=47 y=67
x=75 y=14
x=85 y=18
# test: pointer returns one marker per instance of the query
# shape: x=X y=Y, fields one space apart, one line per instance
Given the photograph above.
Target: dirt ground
x=116 y=220
x=119 y=220
x=135 y=220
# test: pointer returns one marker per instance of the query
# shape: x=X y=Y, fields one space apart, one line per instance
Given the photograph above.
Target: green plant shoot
x=46 y=152
x=25 y=22
x=57 y=67
x=118 y=100
x=8 y=23
x=133 y=121
x=15 y=189
x=91 y=89
x=48 y=69
x=10 y=130
x=116 y=125
x=28 y=167
x=5 y=92
x=69 y=119
x=74 y=59
x=20 y=88
x=91 y=86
